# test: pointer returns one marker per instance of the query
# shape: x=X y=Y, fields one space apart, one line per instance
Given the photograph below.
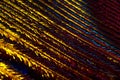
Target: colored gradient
x=59 y=40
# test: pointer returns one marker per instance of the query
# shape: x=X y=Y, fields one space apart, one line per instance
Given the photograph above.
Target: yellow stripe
x=5 y=70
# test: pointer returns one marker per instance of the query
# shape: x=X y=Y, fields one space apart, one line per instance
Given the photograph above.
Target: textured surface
x=59 y=40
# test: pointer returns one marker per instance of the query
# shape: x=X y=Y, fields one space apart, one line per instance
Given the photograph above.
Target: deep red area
x=108 y=13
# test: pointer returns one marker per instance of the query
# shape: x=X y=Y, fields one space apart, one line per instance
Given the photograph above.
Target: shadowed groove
x=58 y=39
